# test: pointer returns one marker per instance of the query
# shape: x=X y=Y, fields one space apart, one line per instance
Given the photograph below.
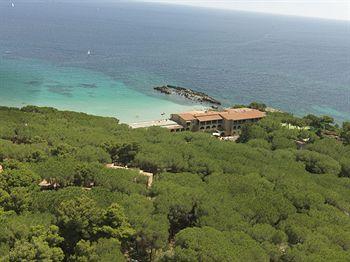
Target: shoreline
x=163 y=121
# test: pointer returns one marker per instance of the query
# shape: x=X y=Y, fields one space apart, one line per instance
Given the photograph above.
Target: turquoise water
x=295 y=64
x=38 y=83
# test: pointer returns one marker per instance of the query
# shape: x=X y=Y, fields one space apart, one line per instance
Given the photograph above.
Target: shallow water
x=37 y=83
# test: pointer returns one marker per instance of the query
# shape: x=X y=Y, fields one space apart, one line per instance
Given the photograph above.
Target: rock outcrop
x=188 y=94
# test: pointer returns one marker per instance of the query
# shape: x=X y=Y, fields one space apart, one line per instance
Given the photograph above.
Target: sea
x=105 y=58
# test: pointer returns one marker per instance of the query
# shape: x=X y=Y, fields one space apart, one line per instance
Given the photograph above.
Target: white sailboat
x=89 y=52
x=13 y=4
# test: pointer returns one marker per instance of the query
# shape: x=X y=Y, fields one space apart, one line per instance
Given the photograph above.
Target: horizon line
x=228 y=9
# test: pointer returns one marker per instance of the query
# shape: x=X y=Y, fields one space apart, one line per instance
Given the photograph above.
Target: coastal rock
x=163 y=89
x=187 y=93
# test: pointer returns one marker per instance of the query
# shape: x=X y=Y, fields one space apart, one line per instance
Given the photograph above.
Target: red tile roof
x=228 y=114
x=242 y=114
x=187 y=116
x=205 y=117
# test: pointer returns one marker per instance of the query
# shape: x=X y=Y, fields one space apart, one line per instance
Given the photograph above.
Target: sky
x=328 y=9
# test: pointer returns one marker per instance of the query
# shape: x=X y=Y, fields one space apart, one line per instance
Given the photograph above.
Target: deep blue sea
x=105 y=58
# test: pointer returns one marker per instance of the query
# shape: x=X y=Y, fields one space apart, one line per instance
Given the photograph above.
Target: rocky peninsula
x=188 y=94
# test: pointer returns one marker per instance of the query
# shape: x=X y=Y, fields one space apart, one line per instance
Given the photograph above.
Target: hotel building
x=230 y=121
